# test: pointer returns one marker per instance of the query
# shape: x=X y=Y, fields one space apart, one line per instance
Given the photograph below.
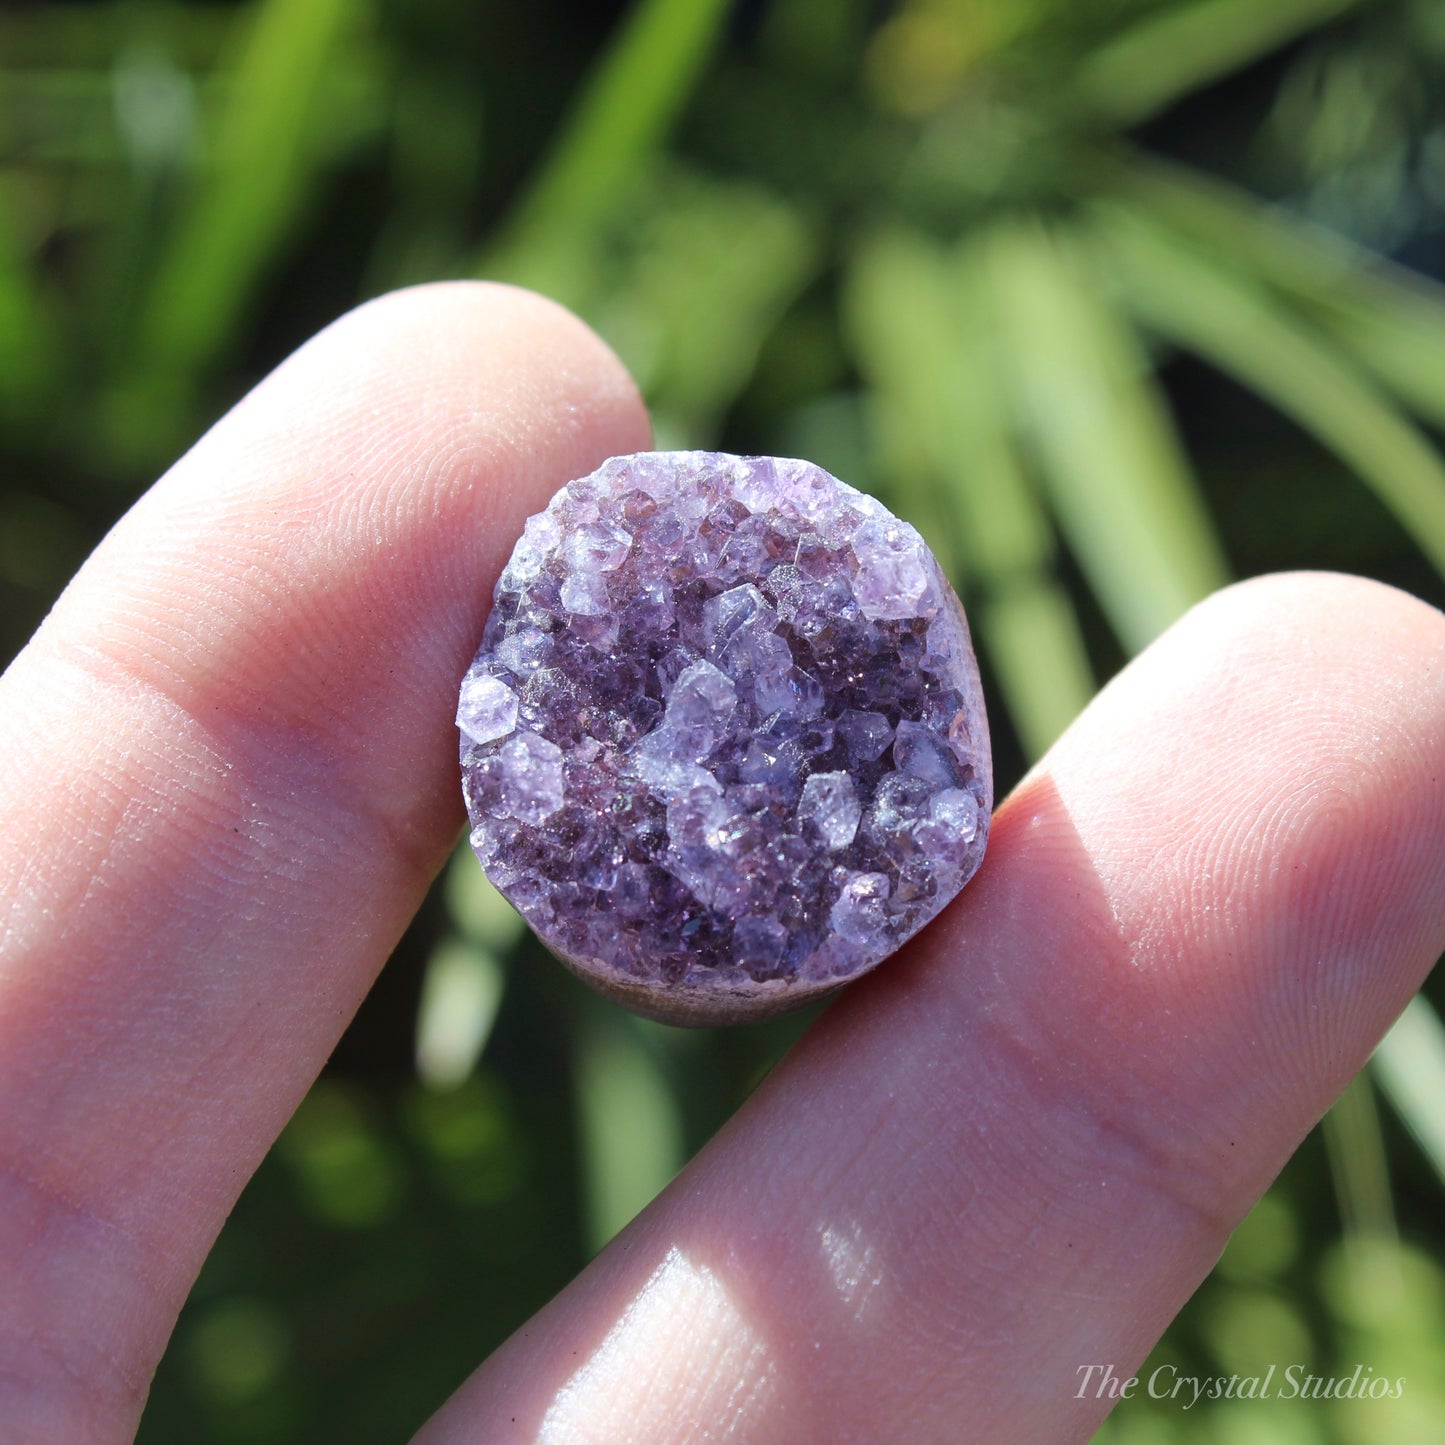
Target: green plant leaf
x=1391 y=320
x=919 y=324
x=1409 y=1066
x=896 y=310
x=1247 y=333
x=461 y=992
x=709 y=269
x=30 y=354
x=1032 y=634
x=606 y=143
x=1114 y=470
x=1355 y=1148
x=265 y=153
x=1181 y=48
x=285 y=95
x=632 y=1134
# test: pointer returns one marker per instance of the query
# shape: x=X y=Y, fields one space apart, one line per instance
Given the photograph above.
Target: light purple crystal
x=724 y=744
x=487 y=708
x=830 y=803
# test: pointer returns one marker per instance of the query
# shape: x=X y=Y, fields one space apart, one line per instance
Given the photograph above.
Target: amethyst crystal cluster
x=723 y=745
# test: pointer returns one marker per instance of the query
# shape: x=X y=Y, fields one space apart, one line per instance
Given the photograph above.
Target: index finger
x=227 y=774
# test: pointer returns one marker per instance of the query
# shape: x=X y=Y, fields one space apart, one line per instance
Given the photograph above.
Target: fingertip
x=448 y=325
x=435 y=325
x=1336 y=609
x=1262 y=796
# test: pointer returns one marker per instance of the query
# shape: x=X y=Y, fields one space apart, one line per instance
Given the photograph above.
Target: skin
x=228 y=771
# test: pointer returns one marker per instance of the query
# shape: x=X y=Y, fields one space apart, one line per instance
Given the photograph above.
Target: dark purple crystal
x=723 y=744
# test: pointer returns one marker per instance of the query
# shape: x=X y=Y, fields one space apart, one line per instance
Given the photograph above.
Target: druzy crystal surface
x=723 y=744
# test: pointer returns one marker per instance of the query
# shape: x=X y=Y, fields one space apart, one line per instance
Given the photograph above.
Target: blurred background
x=1116 y=299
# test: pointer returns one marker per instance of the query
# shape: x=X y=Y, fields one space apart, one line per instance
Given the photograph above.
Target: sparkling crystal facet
x=724 y=744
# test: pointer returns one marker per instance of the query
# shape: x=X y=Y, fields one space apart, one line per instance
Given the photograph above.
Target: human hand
x=228 y=773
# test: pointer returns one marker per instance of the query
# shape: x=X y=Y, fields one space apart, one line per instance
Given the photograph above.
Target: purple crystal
x=723 y=744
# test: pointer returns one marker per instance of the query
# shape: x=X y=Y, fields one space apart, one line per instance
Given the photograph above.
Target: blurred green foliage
x=1094 y=290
